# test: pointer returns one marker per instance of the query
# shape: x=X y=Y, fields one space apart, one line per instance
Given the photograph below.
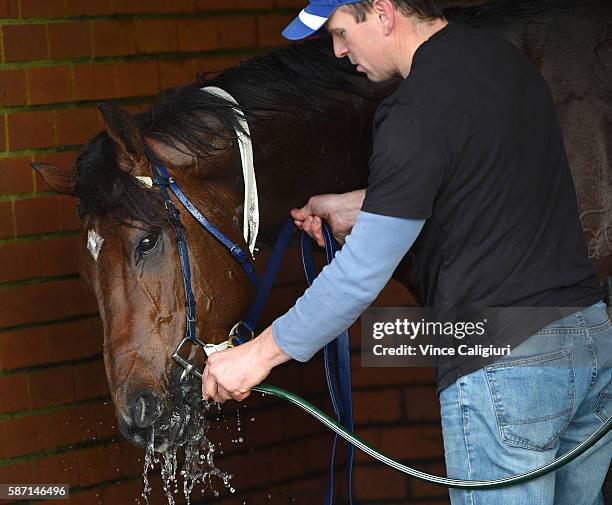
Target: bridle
x=244 y=329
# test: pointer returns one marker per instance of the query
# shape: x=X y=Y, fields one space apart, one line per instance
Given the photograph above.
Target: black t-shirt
x=471 y=142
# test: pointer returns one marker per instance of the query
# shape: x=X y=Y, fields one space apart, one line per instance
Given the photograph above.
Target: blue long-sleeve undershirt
x=345 y=287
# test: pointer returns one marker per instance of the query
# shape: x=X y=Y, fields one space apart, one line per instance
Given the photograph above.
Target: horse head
x=130 y=260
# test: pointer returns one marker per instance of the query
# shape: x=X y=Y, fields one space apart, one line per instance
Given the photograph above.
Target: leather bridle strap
x=163 y=180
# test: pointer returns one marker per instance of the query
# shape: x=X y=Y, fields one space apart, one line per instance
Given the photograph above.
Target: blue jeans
x=549 y=394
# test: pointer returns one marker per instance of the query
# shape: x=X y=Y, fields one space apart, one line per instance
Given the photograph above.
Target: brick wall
x=58 y=58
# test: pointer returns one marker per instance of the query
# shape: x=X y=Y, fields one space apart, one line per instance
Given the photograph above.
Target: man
x=468 y=157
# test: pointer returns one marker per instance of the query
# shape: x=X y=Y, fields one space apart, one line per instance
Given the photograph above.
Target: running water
x=198 y=465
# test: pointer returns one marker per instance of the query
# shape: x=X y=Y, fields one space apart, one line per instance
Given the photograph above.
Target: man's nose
x=340 y=49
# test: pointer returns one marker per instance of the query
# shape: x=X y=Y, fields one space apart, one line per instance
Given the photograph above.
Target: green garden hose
x=443 y=481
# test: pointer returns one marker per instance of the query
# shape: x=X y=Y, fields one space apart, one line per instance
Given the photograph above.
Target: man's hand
x=231 y=374
x=340 y=211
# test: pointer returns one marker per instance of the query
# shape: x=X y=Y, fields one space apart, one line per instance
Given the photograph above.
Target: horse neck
x=300 y=155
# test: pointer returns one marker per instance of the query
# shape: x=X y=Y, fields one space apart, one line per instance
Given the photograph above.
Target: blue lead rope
x=336 y=354
x=337 y=361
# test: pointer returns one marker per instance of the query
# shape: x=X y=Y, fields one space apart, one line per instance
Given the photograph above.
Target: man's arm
x=347 y=286
x=340 y=293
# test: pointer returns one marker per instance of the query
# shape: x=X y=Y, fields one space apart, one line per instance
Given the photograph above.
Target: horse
x=310 y=119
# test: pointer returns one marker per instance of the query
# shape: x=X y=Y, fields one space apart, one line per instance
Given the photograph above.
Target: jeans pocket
x=533 y=398
x=603 y=407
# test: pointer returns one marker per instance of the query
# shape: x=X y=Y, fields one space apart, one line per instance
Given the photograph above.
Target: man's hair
x=423 y=9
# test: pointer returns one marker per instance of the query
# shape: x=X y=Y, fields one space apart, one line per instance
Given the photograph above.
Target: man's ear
x=58 y=179
x=386 y=13
x=124 y=131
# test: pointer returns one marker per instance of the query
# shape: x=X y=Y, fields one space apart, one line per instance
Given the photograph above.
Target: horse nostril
x=146 y=409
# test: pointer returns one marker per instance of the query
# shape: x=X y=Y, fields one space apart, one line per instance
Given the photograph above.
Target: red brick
x=69 y=40
x=94 y=81
x=59 y=256
x=28 y=130
x=82 y=423
x=14 y=393
x=75 y=126
x=197 y=35
x=412 y=442
x=24 y=42
x=363 y=376
x=15 y=175
x=50 y=84
x=98 y=464
x=156 y=35
x=63 y=160
x=19 y=473
x=236 y=32
x=9 y=9
x=74 y=340
x=133 y=459
x=157 y=6
x=379 y=483
x=306 y=491
x=88 y=497
x=269 y=28
x=177 y=73
x=27 y=435
x=422 y=489
x=22 y=348
x=377 y=406
x=254 y=4
x=207 y=5
x=90 y=380
x=12 y=88
x=19 y=260
x=3 y=145
x=114 y=38
x=38 y=9
x=99 y=419
x=422 y=403
x=58 y=469
x=129 y=491
x=56 y=300
x=37 y=215
x=137 y=78
x=131 y=6
x=215 y=64
x=51 y=387
x=10 y=307
x=175 y=6
x=87 y=7
x=289 y=3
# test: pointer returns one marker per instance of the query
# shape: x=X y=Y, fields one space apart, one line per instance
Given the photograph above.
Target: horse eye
x=146 y=245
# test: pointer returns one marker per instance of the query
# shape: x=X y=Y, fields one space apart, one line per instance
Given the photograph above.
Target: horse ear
x=124 y=131
x=58 y=179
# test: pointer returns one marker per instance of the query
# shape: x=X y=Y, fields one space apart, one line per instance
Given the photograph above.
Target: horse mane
x=293 y=79
x=513 y=10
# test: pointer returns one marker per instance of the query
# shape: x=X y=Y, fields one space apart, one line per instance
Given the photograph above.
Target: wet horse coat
x=310 y=118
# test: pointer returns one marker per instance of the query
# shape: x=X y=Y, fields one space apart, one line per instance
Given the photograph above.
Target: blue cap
x=313 y=17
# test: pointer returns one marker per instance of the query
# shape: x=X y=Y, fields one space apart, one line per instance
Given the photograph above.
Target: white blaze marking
x=94 y=243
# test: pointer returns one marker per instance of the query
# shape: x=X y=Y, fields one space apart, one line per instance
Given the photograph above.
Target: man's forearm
x=347 y=286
